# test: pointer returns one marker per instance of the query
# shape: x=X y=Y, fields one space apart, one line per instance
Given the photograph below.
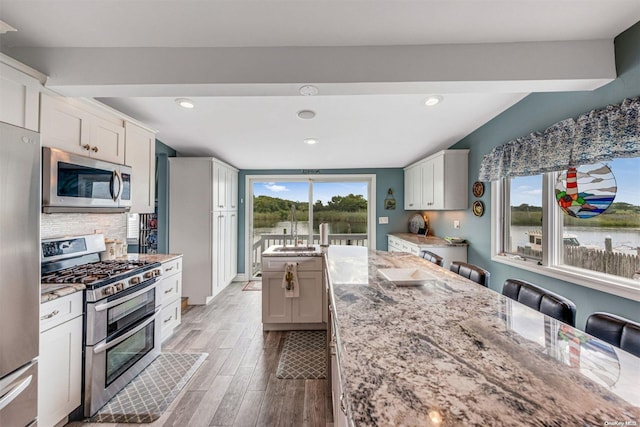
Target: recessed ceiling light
x=185 y=103
x=433 y=100
x=308 y=90
x=310 y=141
x=5 y=28
x=306 y=114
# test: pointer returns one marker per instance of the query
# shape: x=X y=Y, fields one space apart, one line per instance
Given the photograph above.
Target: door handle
x=116 y=176
x=14 y=390
x=106 y=346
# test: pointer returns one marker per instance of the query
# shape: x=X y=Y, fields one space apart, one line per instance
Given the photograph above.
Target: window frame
x=552 y=248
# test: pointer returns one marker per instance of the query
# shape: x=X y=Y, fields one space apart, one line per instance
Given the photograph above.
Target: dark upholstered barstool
x=546 y=302
x=431 y=257
x=616 y=330
x=471 y=272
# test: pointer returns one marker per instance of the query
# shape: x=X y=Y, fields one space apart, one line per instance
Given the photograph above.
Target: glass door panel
x=344 y=206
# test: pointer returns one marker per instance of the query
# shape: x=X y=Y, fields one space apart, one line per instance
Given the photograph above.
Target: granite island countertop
x=51 y=291
x=426 y=241
x=454 y=353
x=290 y=251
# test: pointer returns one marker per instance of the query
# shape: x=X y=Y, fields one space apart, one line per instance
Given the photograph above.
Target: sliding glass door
x=291 y=209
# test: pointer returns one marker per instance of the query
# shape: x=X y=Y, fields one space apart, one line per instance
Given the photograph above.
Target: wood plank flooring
x=236 y=385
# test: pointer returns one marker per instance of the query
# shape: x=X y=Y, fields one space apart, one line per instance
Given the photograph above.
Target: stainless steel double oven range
x=122 y=308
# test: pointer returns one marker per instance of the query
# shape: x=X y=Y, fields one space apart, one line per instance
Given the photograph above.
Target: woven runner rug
x=304 y=355
x=149 y=394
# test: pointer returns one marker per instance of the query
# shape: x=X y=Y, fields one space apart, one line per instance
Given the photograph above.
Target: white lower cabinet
x=280 y=312
x=171 y=286
x=449 y=253
x=60 y=361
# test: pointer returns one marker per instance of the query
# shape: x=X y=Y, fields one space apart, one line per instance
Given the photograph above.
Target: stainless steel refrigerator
x=19 y=275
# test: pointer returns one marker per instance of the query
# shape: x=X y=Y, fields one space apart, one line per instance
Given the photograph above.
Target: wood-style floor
x=236 y=385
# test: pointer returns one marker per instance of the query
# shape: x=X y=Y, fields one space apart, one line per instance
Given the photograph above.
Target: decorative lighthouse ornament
x=586 y=191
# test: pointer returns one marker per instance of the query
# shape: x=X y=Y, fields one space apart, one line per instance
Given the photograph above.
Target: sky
x=528 y=189
x=299 y=191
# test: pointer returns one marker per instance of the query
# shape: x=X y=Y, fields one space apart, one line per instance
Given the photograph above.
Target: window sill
x=626 y=288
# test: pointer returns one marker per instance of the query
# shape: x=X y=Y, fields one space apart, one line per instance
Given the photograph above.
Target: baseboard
x=241 y=277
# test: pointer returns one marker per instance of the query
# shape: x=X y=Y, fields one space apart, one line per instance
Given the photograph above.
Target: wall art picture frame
x=478 y=189
x=478 y=208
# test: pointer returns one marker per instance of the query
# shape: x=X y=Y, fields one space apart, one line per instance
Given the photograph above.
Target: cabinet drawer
x=304 y=263
x=171 y=267
x=60 y=310
x=170 y=317
x=171 y=288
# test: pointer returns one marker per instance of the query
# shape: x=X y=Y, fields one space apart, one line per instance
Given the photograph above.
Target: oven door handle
x=102 y=347
x=106 y=305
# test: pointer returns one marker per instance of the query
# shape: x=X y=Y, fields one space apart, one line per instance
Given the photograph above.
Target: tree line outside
x=349 y=209
x=618 y=215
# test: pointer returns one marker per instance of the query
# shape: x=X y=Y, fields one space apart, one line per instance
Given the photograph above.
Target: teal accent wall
x=385 y=178
x=535 y=113
x=163 y=152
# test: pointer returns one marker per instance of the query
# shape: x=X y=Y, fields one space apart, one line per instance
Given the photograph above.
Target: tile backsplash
x=113 y=226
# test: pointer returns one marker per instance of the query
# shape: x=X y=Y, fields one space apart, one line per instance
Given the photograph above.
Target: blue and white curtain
x=593 y=137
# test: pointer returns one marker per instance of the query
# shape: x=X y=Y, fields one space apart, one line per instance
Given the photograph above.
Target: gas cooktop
x=97 y=274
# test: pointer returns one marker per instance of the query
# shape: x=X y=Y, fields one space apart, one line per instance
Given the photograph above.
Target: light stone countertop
x=428 y=241
x=454 y=353
x=51 y=291
x=274 y=251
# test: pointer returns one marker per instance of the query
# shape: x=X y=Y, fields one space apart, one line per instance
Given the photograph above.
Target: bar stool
x=546 y=302
x=616 y=330
x=471 y=272
x=431 y=257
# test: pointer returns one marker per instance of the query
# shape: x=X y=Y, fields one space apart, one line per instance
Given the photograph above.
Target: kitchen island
x=451 y=352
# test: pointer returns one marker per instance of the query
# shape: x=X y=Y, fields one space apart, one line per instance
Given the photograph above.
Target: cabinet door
x=20 y=100
x=232 y=189
x=232 y=246
x=275 y=307
x=412 y=188
x=220 y=260
x=140 y=154
x=107 y=141
x=64 y=126
x=428 y=194
x=59 y=371
x=219 y=187
x=308 y=307
x=170 y=317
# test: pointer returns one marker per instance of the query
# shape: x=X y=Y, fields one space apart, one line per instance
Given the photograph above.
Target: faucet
x=294 y=226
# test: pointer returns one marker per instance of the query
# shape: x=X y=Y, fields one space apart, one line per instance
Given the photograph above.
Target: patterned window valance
x=593 y=137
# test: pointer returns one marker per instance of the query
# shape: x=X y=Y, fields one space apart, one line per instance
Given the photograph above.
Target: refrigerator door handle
x=7 y=397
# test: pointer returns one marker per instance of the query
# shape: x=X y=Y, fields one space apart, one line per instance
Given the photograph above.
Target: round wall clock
x=478 y=208
x=478 y=189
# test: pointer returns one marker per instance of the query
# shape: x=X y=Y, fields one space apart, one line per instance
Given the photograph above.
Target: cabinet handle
x=168 y=291
x=94 y=149
x=342 y=407
x=50 y=315
x=169 y=268
x=169 y=319
x=86 y=147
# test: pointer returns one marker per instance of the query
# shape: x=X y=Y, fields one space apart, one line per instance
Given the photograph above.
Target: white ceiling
x=374 y=62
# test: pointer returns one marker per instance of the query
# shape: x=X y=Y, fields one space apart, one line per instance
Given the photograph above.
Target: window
x=597 y=244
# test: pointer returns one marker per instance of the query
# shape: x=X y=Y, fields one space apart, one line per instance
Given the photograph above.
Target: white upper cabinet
x=225 y=190
x=438 y=182
x=412 y=188
x=140 y=154
x=75 y=128
x=19 y=95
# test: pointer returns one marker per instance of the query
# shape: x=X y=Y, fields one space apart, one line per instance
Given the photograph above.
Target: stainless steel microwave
x=74 y=183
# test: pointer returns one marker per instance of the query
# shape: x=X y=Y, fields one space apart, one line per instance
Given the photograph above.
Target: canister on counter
x=110 y=250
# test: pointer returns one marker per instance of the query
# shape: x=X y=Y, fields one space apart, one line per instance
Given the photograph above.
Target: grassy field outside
x=619 y=215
